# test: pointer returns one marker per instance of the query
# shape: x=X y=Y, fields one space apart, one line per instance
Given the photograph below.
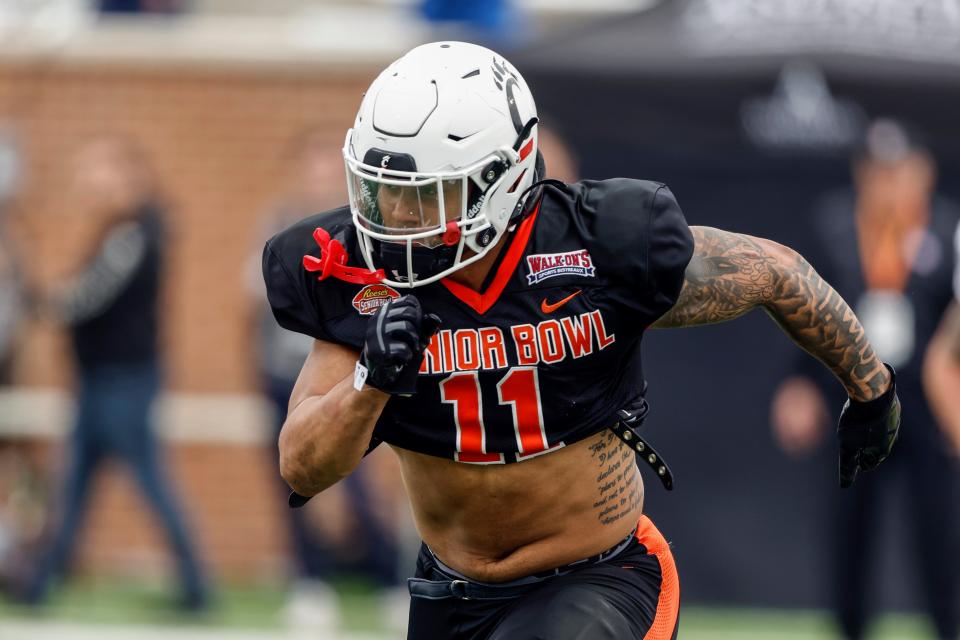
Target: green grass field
x=103 y=611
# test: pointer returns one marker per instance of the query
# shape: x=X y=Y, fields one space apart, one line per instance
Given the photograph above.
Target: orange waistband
x=668 y=606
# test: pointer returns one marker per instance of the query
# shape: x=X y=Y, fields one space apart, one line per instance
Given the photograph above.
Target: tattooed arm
x=731 y=273
x=941 y=375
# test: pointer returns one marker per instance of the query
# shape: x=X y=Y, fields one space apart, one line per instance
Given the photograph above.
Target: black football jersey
x=546 y=354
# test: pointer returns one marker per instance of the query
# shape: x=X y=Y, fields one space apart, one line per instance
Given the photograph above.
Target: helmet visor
x=407 y=208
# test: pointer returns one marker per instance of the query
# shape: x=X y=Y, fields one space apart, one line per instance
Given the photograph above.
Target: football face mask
x=415 y=225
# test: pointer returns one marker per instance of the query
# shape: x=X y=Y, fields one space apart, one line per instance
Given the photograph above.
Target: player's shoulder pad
x=295 y=295
x=635 y=228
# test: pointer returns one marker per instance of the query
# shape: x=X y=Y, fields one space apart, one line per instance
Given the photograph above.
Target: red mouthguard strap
x=333 y=262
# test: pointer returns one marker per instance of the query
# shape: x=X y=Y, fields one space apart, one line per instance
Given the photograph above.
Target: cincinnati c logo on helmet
x=501 y=71
x=384 y=161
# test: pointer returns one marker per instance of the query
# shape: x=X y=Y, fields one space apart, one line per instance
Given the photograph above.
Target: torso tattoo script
x=617 y=480
x=731 y=273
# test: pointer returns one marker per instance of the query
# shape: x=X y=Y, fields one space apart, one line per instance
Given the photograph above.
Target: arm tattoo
x=731 y=274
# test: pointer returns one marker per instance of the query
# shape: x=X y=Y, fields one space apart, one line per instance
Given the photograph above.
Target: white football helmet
x=439 y=160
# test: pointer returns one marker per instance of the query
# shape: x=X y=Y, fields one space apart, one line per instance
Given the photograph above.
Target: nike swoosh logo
x=547 y=307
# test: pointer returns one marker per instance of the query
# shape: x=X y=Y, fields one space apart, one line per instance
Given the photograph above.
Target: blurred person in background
x=11 y=304
x=507 y=375
x=22 y=516
x=358 y=527
x=11 y=280
x=941 y=374
x=113 y=7
x=21 y=511
x=888 y=246
x=109 y=306
x=498 y=22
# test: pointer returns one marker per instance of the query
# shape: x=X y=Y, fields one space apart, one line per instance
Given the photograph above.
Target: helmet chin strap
x=426 y=261
x=524 y=204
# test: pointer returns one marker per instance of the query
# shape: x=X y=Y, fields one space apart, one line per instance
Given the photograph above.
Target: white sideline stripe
x=58 y=630
x=218 y=418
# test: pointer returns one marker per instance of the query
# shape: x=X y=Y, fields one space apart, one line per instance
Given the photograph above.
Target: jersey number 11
x=520 y=388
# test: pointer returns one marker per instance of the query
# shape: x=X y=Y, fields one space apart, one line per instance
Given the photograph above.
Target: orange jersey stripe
x=668 y=606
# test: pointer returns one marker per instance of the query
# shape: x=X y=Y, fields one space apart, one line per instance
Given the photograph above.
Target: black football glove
x=867 y=432
x=393 y=350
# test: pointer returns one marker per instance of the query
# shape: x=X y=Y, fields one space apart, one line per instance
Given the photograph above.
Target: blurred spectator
x=10 y=307
x=21 y=513
x=11 y=299
x=141 y=6
x=22 y=493
x=888 y=249
x=490 y=15
x=494 y=21
x=941 y=369
x=354 y=526
x=109 y=306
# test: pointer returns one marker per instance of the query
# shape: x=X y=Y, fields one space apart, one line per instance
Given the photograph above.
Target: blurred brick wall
x=215 y=136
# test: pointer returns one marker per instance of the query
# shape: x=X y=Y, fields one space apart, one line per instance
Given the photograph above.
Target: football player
x=942 y=370
x=941 y=366
x=486 y=324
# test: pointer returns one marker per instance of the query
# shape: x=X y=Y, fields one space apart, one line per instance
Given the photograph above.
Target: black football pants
x=633 y=594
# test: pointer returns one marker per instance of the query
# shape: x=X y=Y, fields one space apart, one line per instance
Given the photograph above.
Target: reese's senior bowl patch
x=372 y=297
x=548 y=265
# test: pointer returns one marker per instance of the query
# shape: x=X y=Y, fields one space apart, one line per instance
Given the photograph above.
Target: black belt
x=625 y=428
x=461 y=587
x=462 y=590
